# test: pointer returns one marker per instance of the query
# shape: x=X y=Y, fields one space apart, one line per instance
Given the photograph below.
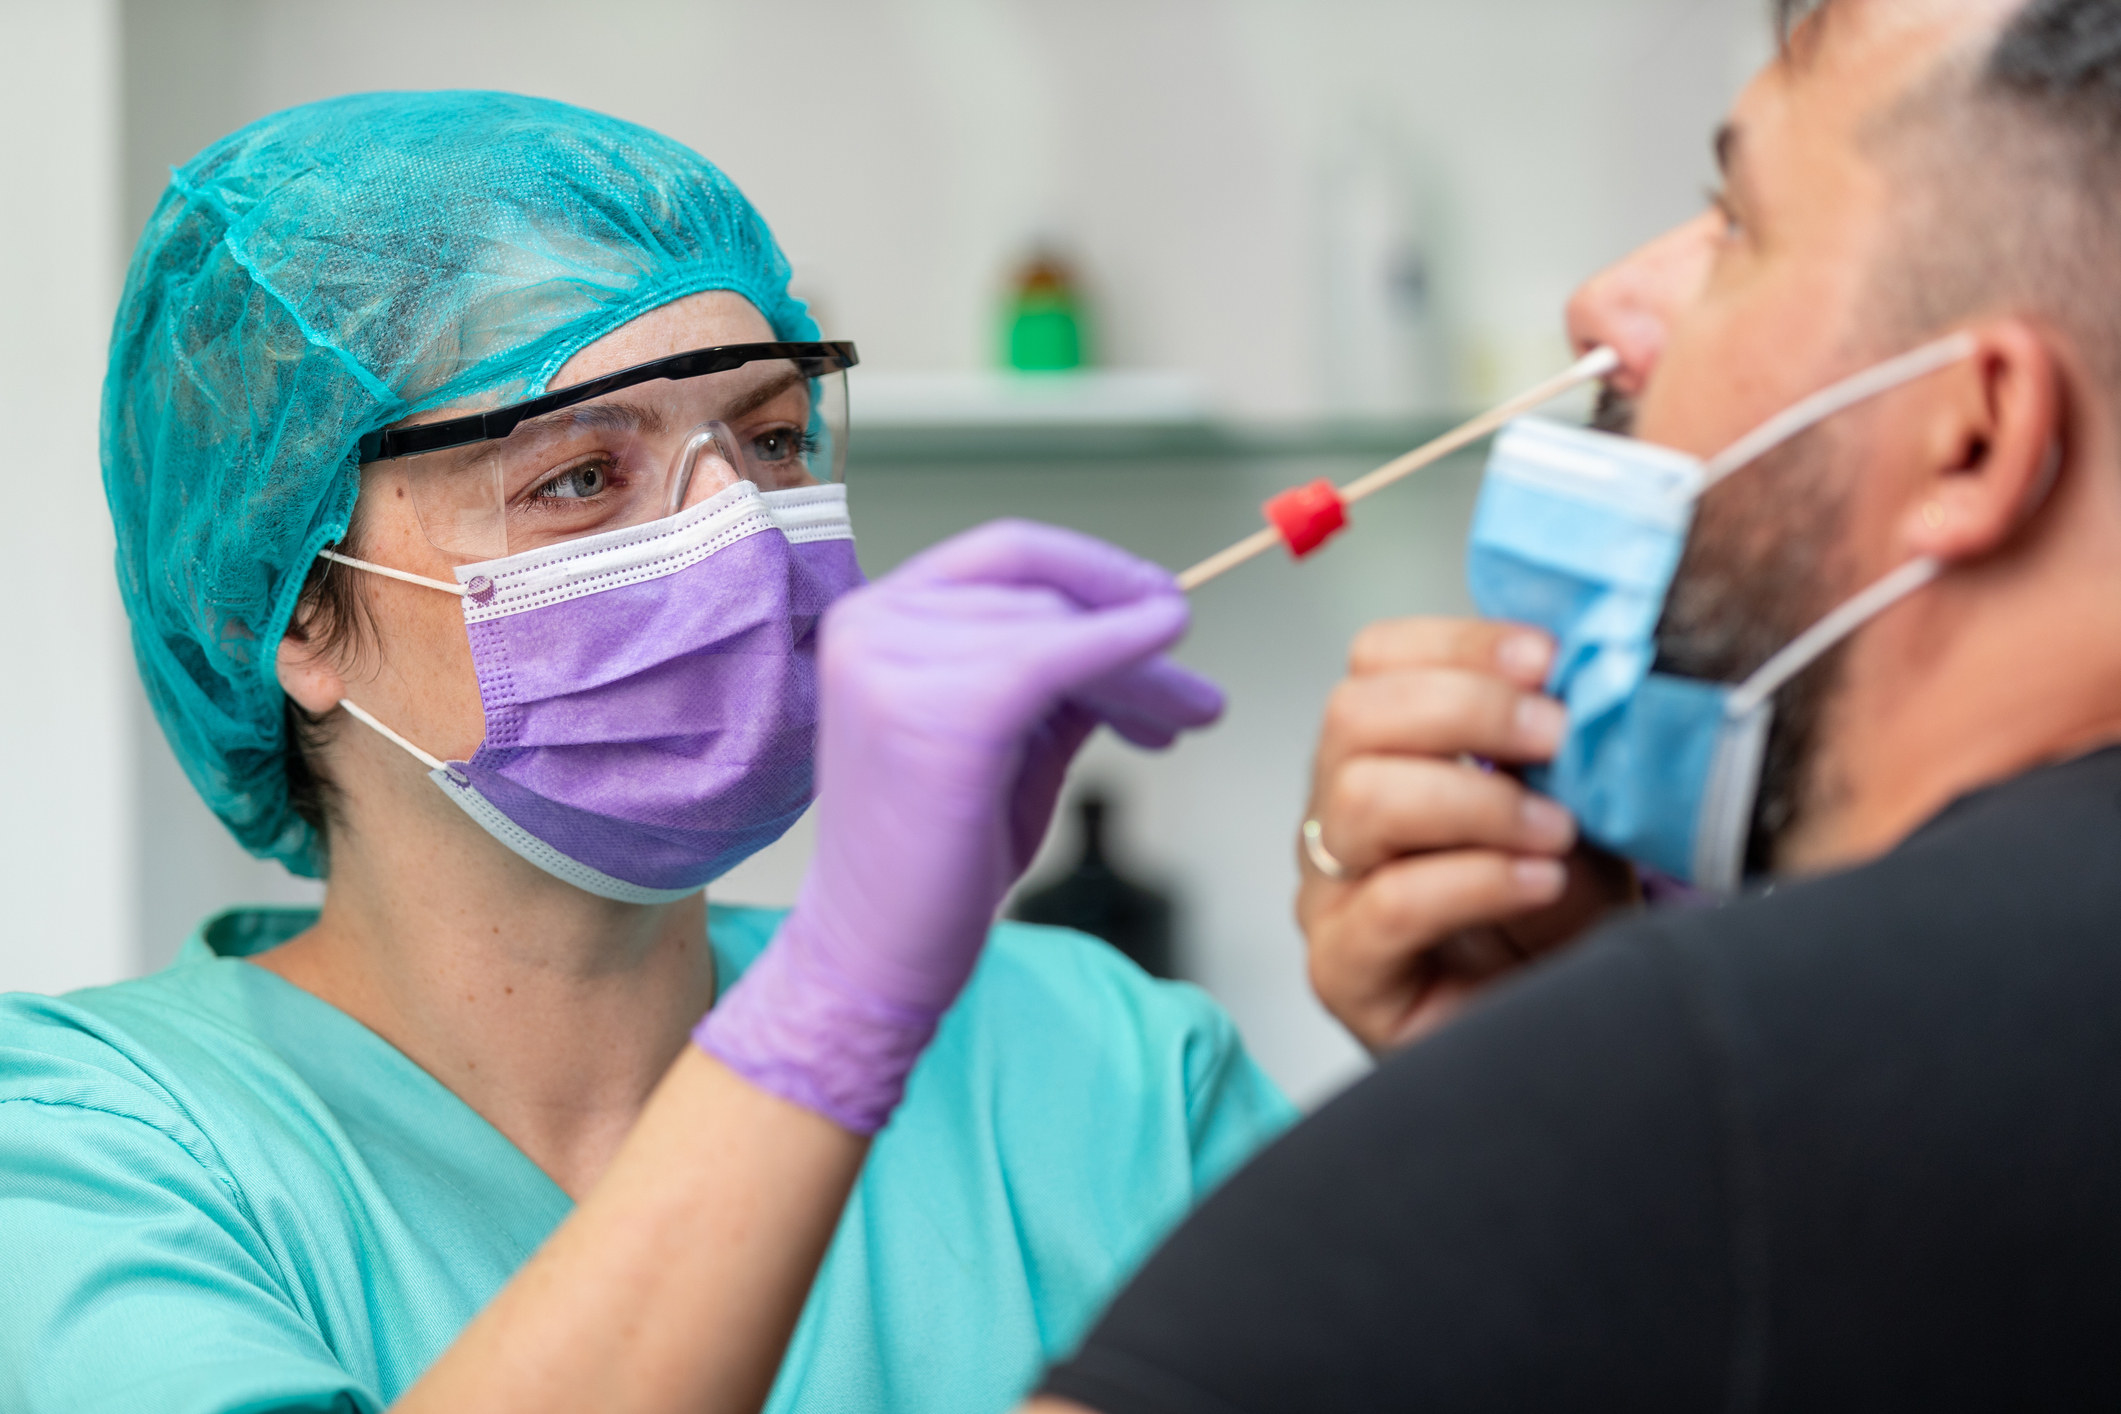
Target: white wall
x=66 y=847
x=906 y=152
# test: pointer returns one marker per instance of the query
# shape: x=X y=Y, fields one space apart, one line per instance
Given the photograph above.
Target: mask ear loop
x=1811 y=645
x=1828 y=402
x=405 y=576
x=431 y=762
x=1741 y=747
x=360 y=713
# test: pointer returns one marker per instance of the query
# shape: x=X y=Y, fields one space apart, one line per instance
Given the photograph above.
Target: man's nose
x=1630 y=307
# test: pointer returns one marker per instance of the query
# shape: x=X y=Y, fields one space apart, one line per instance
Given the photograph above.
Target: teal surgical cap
x=325 y=272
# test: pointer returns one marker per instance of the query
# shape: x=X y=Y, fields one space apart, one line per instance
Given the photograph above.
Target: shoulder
x=79 y=1049
x=2008 y=900
x=1536 y=1189
x=1063 y=986
x=131 y=1207
x=1033 y=983
x=107 y=1122
x=114 y=1059
x=1050 y=1006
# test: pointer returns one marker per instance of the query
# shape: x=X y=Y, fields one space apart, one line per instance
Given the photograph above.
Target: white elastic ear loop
x=388 y=573
x=1808 y=647
x=1725 y=823
x=1842 y=396
x=432 y=763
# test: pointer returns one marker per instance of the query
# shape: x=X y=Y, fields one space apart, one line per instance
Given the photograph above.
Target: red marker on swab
x=1306 y=517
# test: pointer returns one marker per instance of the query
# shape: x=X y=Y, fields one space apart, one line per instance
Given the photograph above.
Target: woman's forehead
x=703 y=321
x=699 y=321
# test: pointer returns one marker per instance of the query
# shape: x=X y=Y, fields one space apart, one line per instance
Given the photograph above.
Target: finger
x=1149 y=736
x=1089 y=571
x=1157 y=696
x=1047 y=754
x=1520 y=654
x=1406 y=907
x=1378 y=956
x=1381 y=807
x=1067 y=655
x=1439 y=712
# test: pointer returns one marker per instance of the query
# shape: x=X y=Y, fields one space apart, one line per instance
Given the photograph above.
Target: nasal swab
x=1305 y=517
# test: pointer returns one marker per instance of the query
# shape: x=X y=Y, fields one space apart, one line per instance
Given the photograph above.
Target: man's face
x=1767 y=298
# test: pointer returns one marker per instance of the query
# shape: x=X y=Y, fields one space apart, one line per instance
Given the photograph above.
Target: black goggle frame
x=815 y=360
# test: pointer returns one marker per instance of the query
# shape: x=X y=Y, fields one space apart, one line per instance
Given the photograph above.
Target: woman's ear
x=1994 y=446
x=307 y=676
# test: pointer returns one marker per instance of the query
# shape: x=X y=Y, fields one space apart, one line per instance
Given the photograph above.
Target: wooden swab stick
x=1593 y=365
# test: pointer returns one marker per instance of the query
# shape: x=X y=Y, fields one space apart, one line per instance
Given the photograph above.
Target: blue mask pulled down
x=1579 y=533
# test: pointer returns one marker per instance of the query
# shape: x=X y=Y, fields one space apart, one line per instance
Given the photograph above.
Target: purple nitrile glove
x=953 y=694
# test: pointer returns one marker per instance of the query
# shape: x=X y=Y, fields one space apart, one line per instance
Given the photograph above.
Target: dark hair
x=2061 y=56
x=331 y=615
x=2060 y=60
x=2010 y=164
x=1789 y=12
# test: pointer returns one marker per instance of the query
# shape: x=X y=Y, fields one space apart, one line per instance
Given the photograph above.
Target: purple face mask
x=651 y=692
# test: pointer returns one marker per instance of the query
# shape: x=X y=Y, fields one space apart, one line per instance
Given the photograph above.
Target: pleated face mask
x=650 y=689
x=1579 y=533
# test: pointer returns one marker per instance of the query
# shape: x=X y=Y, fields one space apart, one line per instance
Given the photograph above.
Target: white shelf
x=1091 y=398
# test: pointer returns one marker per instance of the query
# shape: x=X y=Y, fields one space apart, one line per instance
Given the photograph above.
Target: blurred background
x=1127 y=265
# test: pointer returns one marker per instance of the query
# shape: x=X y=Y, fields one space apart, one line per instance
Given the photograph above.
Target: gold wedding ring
x=1322 y=858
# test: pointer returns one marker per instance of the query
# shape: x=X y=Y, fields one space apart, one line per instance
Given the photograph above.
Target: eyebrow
x=629 y=417
x=648 y=418
x=1727 y=151
x=763 y=394
x=632 y=417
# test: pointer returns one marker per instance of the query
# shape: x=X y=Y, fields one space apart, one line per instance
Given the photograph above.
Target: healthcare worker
x=477 y=492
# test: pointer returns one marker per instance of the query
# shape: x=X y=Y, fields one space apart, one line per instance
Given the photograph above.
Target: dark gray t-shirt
x=1852 y=1144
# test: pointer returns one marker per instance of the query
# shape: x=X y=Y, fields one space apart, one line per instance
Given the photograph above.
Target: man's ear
x=308 y=676
x=1994 y=445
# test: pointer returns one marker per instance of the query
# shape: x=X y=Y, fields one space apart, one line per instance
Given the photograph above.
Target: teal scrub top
x=220 y=1193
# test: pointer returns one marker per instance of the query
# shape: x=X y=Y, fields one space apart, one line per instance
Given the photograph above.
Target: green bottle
x=1045 y=318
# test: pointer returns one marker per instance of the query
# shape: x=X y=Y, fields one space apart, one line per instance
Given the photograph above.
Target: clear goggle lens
x=631 y=457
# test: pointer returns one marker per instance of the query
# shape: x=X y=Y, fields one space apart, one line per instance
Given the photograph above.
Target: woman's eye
x=779 y=445
x=576 y=483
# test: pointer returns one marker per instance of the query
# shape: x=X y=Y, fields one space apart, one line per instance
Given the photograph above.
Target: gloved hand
x=954 y=693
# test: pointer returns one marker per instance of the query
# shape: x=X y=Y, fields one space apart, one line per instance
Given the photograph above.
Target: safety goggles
x=630 y=447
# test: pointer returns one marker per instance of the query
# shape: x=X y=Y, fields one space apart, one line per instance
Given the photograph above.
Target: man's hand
x=1454 y=872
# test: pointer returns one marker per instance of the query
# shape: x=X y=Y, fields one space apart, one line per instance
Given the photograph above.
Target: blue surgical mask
x=1580 y=532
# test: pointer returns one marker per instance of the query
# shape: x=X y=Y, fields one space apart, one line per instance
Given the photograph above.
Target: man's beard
x=1761 y=566
x=1615 y=412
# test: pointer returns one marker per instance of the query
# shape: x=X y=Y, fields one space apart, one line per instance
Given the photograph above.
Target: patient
x=1847 y=1141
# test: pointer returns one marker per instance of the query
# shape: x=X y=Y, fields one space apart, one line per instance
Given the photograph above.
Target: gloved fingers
x=1047 y=756
x=1090 y=571
x=1143 y=732
x=1063 y=656
x=1158 y=698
